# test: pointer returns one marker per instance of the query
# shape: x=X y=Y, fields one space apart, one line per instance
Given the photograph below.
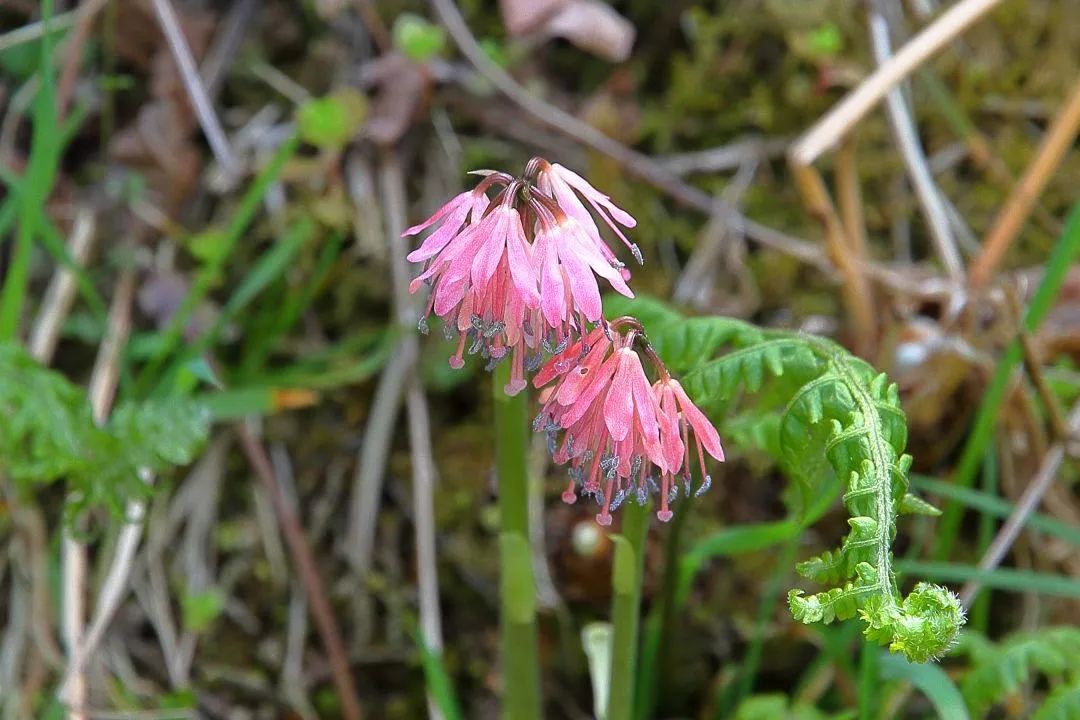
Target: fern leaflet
x=836 y=415
x=50 y=434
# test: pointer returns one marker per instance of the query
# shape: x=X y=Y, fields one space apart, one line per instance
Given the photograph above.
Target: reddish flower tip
x=665 y=515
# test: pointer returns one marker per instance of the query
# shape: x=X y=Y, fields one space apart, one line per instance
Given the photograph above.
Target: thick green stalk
x=625 y=608
x=1057 y=267
x=517 y=587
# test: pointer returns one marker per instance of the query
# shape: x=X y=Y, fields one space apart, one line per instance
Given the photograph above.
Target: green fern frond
x=842 y=413
x=999 y=671
x=50 y=434
x=1062 y=704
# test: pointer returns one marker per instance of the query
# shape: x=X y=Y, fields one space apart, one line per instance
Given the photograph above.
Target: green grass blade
x=207 y=275
x=1057 y=267
x=734 y=540
x=931 y=680
x=999 y=579
x=40 y=173
x=992 y=505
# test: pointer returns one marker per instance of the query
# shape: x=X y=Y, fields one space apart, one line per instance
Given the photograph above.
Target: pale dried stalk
x=849 y=197
x=101 y=391
x=189 y=72
x=1055 y=146
x=856 y=288
x=1025 y=506
x=61 y=291
x=392 y=189
x=828 y=131
x=907 y=141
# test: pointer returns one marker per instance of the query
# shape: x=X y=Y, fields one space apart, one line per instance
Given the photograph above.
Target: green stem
x=1057 y=267
x=979 y=617
x=625 y=608
x=869 y=678
x=656 y=644
x=752 y=661
x=517 y=587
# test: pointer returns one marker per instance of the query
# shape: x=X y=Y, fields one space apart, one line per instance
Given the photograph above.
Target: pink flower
x=519 y=273
x=567 y=262
x=483 y=280
x=450 y=218
x=681 y=418
x=564 y=186
x=614 y=429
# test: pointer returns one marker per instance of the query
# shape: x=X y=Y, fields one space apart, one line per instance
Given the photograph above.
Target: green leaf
x=418 y=39
x=201 y=609
x=331 y=122
x=932 y=681
x=49 y=434
x=1000 y=671
x=839 y=419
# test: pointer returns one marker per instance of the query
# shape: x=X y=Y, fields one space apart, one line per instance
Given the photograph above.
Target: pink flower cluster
x=516 y=277
x=615 y=427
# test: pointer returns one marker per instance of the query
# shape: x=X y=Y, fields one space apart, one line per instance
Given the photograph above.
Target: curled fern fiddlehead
x=836 y=413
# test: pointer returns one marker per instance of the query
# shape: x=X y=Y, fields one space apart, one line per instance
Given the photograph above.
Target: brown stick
x=849 y=196
x=73 y=53
x=856 y=289
x=321 y=611
x=1059 y=137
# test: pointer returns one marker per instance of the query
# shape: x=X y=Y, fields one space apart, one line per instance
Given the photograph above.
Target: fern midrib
x=881 y=464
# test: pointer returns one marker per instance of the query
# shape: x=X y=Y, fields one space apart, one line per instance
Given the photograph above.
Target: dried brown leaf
x=523 y=17
x=403 y=89
x=595 y=27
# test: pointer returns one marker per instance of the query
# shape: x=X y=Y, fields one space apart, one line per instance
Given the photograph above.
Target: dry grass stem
x=855 y=288
x=60 y=294
x=849 y=197
x=829 y=130
x=88 y=10
x=200 y=99
x=1009 y=221
x=1024 y=507
x=74 y=559
x=392 y=191
x=304 y=560
x=907 y=141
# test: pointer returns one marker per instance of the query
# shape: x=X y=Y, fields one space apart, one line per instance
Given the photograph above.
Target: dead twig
x=907 y=141
x=1023 y=509
x=102 y=389
x=855 y=289
x=828 y=131
x=61 y=291
x=88 y=10
x=321 y=611
x=849 y=197
x=1055 y=145
x=636 y=163
x=200 y=99
x=392 y=190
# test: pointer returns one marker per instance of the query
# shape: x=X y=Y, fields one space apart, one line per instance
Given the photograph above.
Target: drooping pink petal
x=552 y=290
x=703 y=429
x=668 y=418
x=520 y=260
x=619 y=404
x=450 y=227
x=465 y=200
x=583 y=287
x=494 y=229
x=594 y=196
